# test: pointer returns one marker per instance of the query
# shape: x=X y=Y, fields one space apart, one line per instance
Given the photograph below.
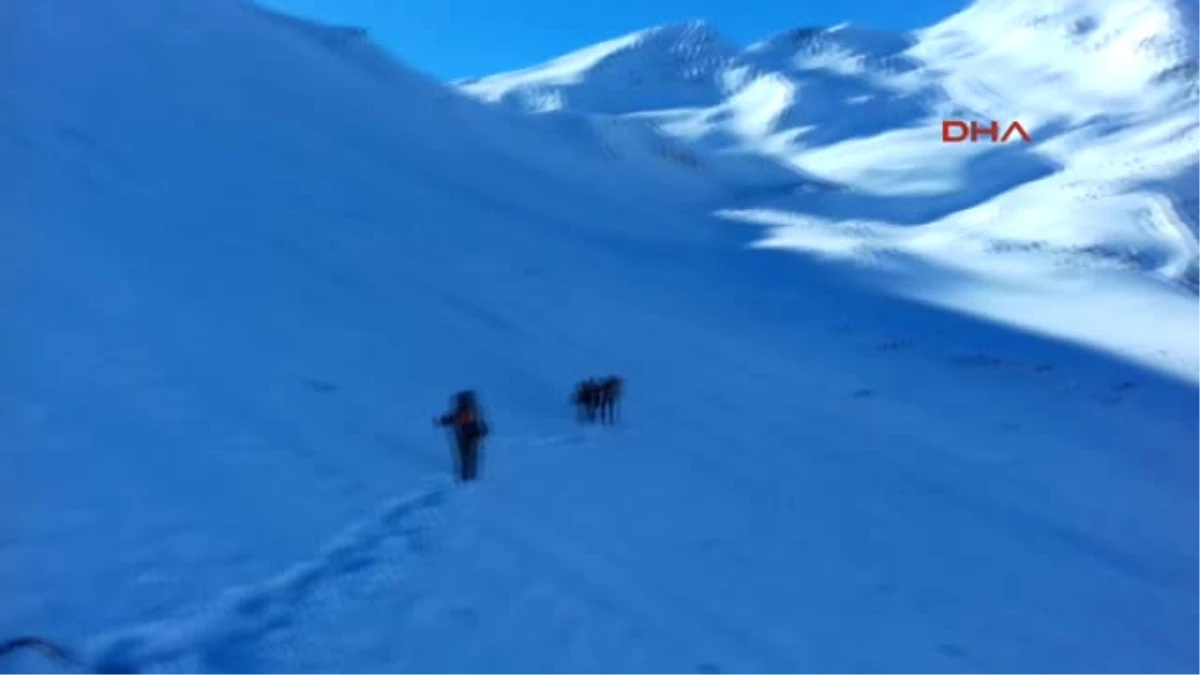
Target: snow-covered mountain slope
x=245 y=259
x=1107 y=90
x=679 y=66
x=665 y=67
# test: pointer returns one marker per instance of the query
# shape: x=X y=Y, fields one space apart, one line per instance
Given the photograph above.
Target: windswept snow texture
x=246 y=259
x=1104 y=198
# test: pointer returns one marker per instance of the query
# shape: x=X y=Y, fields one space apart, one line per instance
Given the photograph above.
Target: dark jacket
x=466 y=419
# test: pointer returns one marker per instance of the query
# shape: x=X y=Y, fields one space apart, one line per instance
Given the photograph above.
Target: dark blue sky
x=459 y=38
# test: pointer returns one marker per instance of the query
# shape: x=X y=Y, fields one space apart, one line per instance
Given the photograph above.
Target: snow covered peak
x=1075 y=57
x=668 y=66
x=1107 y=88
x=845 y=37
x=1092 y=24
x=680 y=36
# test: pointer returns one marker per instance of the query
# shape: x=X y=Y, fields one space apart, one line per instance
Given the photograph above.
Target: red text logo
x=957 y=131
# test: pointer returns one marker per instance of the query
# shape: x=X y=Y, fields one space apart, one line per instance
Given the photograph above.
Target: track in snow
x=221 y=636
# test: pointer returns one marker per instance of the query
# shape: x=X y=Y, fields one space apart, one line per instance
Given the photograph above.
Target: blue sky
x=460 y=38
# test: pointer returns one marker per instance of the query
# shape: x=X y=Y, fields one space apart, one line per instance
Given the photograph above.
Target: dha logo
x=957 y=131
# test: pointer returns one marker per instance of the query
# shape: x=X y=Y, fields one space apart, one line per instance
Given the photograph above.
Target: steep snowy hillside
x=1105 y=196
x=246 y=259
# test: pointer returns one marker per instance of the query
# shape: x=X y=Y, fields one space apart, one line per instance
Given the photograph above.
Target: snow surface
x=247 y=258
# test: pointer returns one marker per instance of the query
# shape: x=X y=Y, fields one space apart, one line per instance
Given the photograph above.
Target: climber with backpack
x=609 y=398
x=586 y=399
x=469 y=429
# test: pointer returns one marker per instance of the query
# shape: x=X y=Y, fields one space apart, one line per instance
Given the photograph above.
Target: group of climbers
x=596 y=399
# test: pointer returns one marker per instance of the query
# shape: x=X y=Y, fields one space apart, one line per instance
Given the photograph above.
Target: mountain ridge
x=854 y=107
